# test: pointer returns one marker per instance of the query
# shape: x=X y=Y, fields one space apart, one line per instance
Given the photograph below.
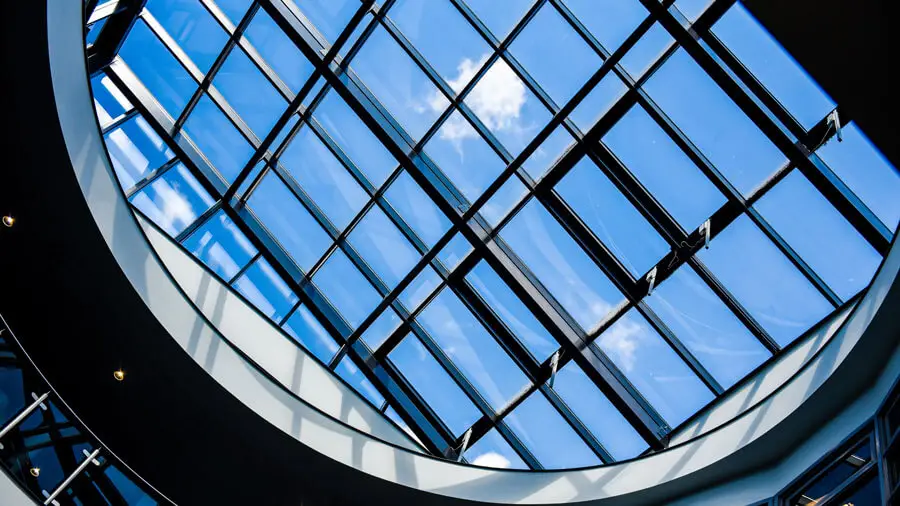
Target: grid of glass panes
x=464 y=207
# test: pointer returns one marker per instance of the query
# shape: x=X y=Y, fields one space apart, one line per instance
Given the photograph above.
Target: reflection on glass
x=135 y=150
x=604 y=421
x=249 y=93
x=346 y=288
x=266 y=290
x=349 y=372
x=539 y=47
x=330 y=17
x=713 y=122
x=520 y=320
x=499 y=17
x=420 y=288
x=383 y=247
x=109 y=102
x=654 y=368
x=304 y=327
x=711 y=332
x=561 y=265
x=819 y=234
x=220 y=245
x=598 y=101
x=173 y=200
x=543 y=158
x=278 y=50
x=609 y=21
x=507 y=196
x=464 y=157
x=288 y=221
x=472 y=349
x=218 y=139
x=646 y=51
x=493 y=451
x=607 y=212
x=434 y=385
x=548 y=436
x=773 y=66
x=764 y=282
x=417 y=209
x=323 y=178
x=661 y=166
x=455 y=251
x=381 y=329
x=398 y=83
x=193 y=28
x=506 y=107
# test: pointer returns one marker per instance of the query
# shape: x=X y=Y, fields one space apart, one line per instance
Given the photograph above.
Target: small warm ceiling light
x=119 y=374
x=9 y=221
x=35 y=471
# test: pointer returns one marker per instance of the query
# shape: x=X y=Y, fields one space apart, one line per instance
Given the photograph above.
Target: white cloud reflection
x=492 y=459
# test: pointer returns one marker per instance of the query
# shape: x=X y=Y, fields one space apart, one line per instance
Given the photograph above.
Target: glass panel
x=420 y=288
x=711 y=332
x=605 y=422
x=692 y=9
x=278 y=50
x=512 y=311
x=598 y=102
x=455 y=250
x=773 y=66
x=381 y=329
x=499 y=17
x=220 y=245
x=507 y=196
x=135 y=150
x=867 y=172
x=539 y=46
x=417 y=209
x=157 y=69
x=400 y=85
x=561 y=265
x=666 y=172
x=94 y=32
x=383 y=247
x=349 y=372
x=444 y=38
x=713 y=122
x=764 y=281
x=472 y=349
x=820 y=235
x=265 y=289
x=193 y=28
x=288 y=221
x=173 y=200
x=609 y=21
x=646 y=51
x=250 y=94
x=434 y=385
x=306 y=329
x=127 y=489
x=493 y=451
x=234 y=9
x=346 y=288
x=612 y=218
x=653 y=367
x=545 y=433
x=464 y=156
x=108 y=100
x=329 y=17
x=323 y=178
x=543 y=158
x=218 y=139
x=506 y=107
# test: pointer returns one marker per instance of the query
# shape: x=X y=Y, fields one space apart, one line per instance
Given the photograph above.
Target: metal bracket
x=706 y=229
x=54 y=502
x=465 y=444
x=835 y=119
x=554 y=364
x=651 y=278
x=35 y=397
x=89 y=456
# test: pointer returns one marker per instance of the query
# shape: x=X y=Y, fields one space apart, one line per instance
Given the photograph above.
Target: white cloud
x=621 y=342
x=492 y=459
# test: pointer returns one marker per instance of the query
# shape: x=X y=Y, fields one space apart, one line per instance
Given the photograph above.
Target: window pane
x=499 y=17
x=543 y=158
x=646 y=51
x=820 y=235
x=135 y=150
x=350 y=373
x=288 y=221
x=493 y=451
x=329 y=17
x=610 y=21
x=506 y=107
x=561 y=265
x=383 y=247
x=612 y=218
x=711 y=332
x=265 y=289
x=548 y=436
x=381 y=329
x=605 y=422
x=323 y=178
x=472 y=349
x=218 y=139
x=420 y=288
x=773 y=66
x=306 y=329
x=661 y=166
x=173 y=200
x=539 y=46
x=157 y=69
x=220 y=245
x=512 y=311
x=108 y=100
x=654 y=368
x=278 y=50
x=455 y=250
x=713 y=122
x=417 y=209
x=346 y=288
x=764 y=281
x=867 y=172
x=435 y=386
x=399 y=84
x=507 y=196
x=464 y=156
x=234 y=9
x=692 y=9
x=193 y=28
x=598 y=101
x=250 y=94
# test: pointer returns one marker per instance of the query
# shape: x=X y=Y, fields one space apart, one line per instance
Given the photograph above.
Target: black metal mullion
x=113 y=34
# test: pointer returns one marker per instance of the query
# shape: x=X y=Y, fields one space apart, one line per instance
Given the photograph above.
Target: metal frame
x=332 y=74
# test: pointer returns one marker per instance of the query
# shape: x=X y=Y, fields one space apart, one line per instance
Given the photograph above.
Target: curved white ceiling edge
x=350 y=446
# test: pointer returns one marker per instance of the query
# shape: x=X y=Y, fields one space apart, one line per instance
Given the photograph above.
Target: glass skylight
x=471 y=199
